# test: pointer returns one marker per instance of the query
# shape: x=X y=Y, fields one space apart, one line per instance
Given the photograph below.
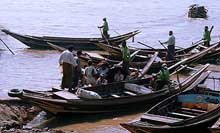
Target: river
x=38 y=69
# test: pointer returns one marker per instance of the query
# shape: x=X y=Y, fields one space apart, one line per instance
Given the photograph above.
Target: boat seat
x=66 y=95
x=194 y=110
x=129 y=93
x=114 y=95
x=181 y=115
x=159 y=118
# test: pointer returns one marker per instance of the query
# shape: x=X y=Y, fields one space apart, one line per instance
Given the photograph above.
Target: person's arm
x=61 y=59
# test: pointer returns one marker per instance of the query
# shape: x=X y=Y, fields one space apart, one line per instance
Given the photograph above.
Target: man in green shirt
x=163 y=78
x=105 y=29
x=126 y=58
x=207 y=36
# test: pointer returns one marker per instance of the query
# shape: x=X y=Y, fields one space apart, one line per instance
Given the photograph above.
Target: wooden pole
x=7 y=46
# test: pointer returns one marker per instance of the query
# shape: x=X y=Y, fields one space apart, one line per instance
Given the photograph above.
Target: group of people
x=72 y=71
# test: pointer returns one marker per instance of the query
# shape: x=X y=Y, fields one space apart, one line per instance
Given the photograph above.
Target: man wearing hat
x=104 y=29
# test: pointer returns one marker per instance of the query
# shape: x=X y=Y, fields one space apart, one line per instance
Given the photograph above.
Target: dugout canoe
x=114 y=97
x=40 y=42
x=195 y=109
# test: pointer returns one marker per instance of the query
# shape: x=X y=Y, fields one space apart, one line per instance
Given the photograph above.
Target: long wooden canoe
x=40 y=42
x=114 y=97
x=193 y=110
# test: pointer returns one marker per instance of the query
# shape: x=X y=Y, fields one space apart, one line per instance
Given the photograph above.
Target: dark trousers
x=105 y=35
x=171 y=52
x=207 y=43
x=125 y=68
x=67 y=75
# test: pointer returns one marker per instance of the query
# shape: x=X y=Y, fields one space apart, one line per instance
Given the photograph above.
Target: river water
x=38 y=69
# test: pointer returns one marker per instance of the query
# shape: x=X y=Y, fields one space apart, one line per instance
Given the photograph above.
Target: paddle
x=166 y=48
x=7 y=46
x=146 y=45
x=104 y=36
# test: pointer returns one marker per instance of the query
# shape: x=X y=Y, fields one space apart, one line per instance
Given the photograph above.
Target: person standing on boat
x=207 y=36
x=77 y=70
x=67 y=62
x=105 y=29
x=163 y=77
x=126 y=58
x=171 y=46
x=90 y=73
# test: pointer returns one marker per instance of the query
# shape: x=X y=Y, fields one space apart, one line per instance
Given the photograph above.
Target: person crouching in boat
x=126 y=59
x=77 y=71
x=163 y=78
x=105 y=29
x=171 y=46
x=90 y=73
x=67 y=62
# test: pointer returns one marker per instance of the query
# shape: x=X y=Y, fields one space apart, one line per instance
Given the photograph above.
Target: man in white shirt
x=171 y=46
x=67 y=62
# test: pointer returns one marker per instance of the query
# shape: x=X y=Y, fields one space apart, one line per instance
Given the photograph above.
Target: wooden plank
x=148 y=65
x=66 y=95
x=159 y=118
x=95 y=55
x=194 y=110
x=180 y=114
x=129 y=93
x=114 y=95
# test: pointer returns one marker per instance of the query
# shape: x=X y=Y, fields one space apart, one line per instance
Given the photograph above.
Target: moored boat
x=195 y=109
x=40 y=42
x=112 y=97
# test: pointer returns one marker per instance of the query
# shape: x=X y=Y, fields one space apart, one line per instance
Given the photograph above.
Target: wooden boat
x=114 y=97
x=194 y=57
x=215 y=128
x=193 y=110
x=113 y=50
x=97 y=58
x=40 y=42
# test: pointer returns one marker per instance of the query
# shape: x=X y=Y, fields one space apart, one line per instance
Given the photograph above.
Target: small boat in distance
x=40 y=42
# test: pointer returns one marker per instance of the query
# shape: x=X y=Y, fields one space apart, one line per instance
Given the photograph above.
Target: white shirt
x=171 y=40
x=90 y=71
x=67 y=57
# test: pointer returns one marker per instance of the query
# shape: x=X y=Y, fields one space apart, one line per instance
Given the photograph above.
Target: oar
x=104 y=36
x=7 y=46
x=146 y=45
x=166 y=49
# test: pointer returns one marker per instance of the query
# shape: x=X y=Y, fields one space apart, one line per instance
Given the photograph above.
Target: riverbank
x=14 y=114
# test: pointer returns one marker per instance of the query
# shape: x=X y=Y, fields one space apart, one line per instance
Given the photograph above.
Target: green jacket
x=164 y=75
x=206 y=36
x=125 y=54
x=105 y=26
